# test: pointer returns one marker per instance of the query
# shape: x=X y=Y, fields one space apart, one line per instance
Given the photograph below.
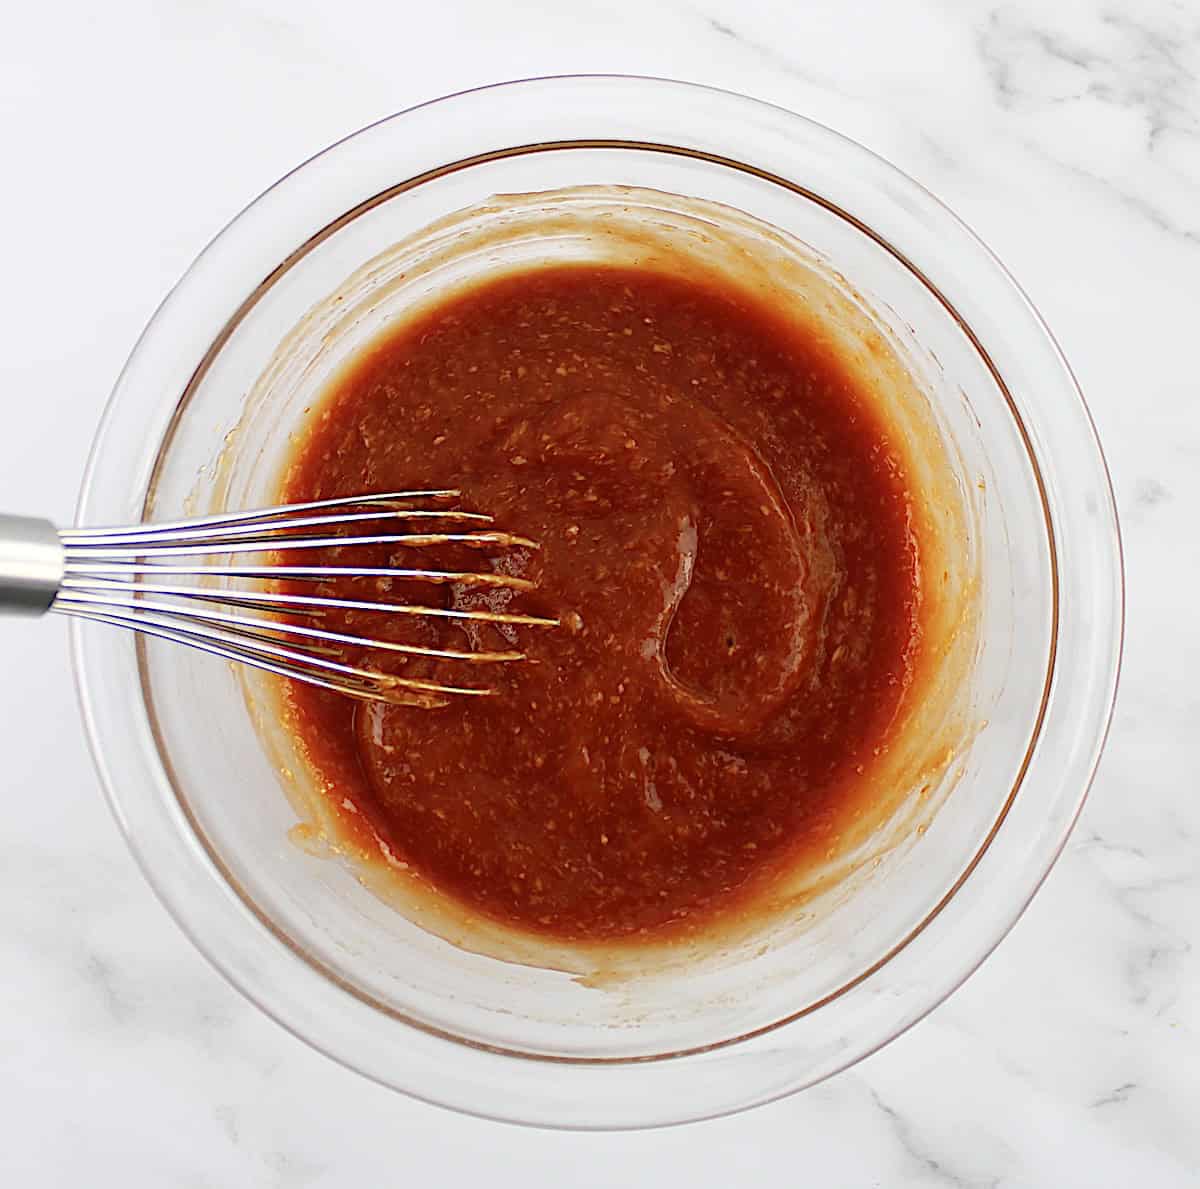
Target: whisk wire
x=251 y=628
x=215 y=545
x=309 y=604
x=258 y=530
x=394 y=500
x=315 y=573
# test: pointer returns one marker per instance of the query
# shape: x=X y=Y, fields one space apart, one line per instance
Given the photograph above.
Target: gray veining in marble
x=1066 y=133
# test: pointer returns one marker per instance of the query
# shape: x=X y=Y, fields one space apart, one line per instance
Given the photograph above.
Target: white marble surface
x=1068 y=134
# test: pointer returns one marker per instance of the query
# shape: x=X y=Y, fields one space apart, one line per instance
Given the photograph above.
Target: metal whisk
x=120 y=576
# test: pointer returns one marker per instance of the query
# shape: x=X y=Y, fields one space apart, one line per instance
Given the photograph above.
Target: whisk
x=157 y=578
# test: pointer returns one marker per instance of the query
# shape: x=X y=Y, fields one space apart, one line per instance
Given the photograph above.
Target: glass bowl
x=202 y=416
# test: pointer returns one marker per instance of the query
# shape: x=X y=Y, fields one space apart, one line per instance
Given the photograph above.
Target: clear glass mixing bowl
x=198 y=796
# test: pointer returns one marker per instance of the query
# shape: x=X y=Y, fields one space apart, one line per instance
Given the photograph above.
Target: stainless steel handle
x=31 y=565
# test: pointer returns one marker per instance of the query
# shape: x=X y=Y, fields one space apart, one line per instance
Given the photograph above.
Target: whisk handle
x=31 y=565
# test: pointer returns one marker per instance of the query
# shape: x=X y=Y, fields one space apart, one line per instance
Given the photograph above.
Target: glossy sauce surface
x=726 y=536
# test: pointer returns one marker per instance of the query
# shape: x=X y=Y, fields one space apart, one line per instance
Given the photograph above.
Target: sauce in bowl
x=727 y=537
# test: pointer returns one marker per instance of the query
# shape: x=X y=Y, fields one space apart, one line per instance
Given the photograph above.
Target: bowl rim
x=80 y=634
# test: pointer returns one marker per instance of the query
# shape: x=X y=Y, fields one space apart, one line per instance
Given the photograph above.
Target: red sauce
x=726 y=537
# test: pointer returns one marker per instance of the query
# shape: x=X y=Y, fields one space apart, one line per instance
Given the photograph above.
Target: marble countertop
x=1068 y=135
